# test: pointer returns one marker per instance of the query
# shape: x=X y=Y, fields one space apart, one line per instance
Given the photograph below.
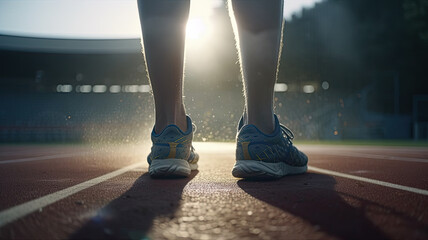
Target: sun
x=196 y=28
x=200 y=22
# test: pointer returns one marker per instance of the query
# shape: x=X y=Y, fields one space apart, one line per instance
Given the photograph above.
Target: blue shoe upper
x=173 y=143
x=252 y=144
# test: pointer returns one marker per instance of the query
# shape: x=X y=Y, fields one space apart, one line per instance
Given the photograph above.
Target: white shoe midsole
x=251 y=167
x=171 y=166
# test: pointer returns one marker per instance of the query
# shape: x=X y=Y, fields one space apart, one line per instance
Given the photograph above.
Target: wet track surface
x=81 y=199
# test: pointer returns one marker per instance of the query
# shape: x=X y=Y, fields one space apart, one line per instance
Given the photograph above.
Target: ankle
x=177 y=118
x=264 y=122
x=180 y=122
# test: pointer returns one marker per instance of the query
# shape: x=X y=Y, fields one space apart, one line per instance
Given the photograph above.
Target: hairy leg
x=258 y=28
x=163 y=24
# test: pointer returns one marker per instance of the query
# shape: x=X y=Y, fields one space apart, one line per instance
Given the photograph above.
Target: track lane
x=16 y=212
x=300 y=207
x=30 y=151
x=307 y=206
x=22 y=182
x=409 y=153
x=410 y=174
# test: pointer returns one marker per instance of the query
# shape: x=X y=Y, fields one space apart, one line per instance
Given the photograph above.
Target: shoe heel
x=169 y=168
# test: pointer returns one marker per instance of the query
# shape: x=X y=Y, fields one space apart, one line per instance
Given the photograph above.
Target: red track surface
x=211 y=204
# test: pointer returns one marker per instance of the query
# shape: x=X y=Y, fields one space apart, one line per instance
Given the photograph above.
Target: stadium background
x=349 y=70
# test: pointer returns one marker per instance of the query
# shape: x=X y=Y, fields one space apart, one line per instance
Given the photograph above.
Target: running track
x=86 y=192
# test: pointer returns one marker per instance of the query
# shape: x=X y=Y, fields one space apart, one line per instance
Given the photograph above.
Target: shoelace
x=285 y=130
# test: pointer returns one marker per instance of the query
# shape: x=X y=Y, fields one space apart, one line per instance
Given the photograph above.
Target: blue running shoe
x=267 y=156
x=172 y=152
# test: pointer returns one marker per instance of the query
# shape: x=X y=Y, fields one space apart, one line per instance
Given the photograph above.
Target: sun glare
x=200 y=20
x=196 y=28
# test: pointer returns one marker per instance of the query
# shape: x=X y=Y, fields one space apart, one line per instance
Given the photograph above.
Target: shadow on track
x=131 y=215
x=312 y=197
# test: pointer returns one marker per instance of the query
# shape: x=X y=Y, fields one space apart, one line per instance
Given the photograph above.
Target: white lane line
x=368 y=180
x=16 y=212
x=374 y=156
x=30 y=159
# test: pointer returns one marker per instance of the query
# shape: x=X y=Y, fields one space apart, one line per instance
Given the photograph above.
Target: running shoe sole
x=253 y=169
x=171 y=168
